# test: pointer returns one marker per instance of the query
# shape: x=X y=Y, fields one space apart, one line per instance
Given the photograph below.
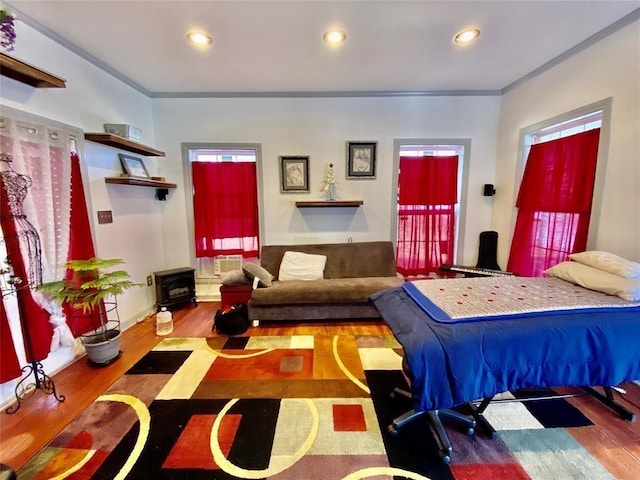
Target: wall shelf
x=123 y=144
x=141 y=182
x=25 y=73
x=330 y=203
x=162 y=188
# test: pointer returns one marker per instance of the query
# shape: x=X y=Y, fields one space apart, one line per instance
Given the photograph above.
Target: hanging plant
x=7 y=29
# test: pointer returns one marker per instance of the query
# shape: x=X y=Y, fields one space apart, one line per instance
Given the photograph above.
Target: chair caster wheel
x=392 y=430
x=471 y=431
x=445 y=458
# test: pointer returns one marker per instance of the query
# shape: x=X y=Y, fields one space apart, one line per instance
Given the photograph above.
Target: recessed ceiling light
x=199 y=38
x=334 y=36
x=467 y=35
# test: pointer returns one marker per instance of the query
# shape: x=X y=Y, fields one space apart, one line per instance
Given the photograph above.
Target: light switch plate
x=105 y=216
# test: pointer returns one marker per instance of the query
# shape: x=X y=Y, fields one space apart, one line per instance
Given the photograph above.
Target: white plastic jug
x=164 y=322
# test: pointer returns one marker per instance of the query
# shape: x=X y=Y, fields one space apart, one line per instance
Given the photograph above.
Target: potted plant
x=7 y=29
x=92 y=293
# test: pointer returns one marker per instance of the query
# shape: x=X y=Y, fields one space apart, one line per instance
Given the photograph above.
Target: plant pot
x=102 y=343
x=102 y=348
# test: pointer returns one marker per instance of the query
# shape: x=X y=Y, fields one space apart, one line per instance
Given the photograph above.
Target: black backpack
x=232 y=321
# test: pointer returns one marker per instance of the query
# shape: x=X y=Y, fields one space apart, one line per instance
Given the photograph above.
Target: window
x=430 y=176
x=224 y=200
x=556 y=193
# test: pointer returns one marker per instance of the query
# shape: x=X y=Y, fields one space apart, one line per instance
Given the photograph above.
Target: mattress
x=452 y=363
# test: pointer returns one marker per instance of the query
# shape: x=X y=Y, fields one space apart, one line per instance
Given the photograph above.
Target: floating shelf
x=330 y=203
x=25 y=73
x=141 y=182
x=123 y=143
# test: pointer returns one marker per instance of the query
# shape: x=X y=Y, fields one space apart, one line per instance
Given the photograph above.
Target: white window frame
x=463 y=181
x=562 y=124
x=232 y=148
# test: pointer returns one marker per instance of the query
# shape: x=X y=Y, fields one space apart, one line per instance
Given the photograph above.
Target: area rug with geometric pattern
x=292 y=408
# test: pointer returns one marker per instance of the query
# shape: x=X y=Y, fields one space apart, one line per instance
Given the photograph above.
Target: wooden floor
x=41 y=417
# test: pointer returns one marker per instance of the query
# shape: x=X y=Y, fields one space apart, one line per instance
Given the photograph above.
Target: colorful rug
x=292 y=408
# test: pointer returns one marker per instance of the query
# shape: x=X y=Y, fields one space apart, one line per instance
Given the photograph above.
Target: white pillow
x=594 y=279
x=302 y=266
x=608 y=262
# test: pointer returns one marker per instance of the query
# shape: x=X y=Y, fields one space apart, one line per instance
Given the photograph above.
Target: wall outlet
x=105 y=216
x=149 y=280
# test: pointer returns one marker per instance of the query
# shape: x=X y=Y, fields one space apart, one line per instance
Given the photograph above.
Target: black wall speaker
x=488 y=190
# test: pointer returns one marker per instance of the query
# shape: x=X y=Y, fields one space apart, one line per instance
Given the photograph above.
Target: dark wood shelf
x=123 y=144
x=25 y=73
x=330 y=203
x=141 y=182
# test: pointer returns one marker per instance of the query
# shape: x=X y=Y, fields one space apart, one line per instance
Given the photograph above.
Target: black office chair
x=488 y=250
x=434 y=420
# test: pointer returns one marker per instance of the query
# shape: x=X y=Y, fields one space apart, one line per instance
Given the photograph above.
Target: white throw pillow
x=302 y=266
x=608 y=262
x=594 y=279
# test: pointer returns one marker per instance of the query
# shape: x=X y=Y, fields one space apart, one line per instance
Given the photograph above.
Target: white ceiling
x=266 y=46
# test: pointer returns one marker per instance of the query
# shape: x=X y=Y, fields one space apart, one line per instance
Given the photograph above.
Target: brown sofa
x=352 y=273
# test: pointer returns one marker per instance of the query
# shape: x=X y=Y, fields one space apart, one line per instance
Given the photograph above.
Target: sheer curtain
x=427 y=195
x=225 y=207
x=554 y=203
x=21 y=244
x=42 y=153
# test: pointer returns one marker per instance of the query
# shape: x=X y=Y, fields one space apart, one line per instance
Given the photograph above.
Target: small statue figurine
x=330 y=188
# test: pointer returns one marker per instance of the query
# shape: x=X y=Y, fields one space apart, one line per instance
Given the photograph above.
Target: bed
x=472 y=338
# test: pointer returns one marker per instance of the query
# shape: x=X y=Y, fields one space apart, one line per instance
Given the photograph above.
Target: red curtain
x=80 y=243
x=225 y=204
x=554 y=203
x=34 y=320
x=9 y=366
x=427 y=194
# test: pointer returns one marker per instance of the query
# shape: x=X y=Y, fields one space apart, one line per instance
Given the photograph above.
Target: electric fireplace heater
x=175 y=287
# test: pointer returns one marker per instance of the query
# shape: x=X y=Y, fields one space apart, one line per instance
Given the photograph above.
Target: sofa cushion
x=251 y=270
x=344 y=260
x=332 y=290
x=234 y=277
x=302 y=266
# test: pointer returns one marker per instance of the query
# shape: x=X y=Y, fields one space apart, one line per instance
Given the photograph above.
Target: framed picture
x=133 y=166
x=361 y=159
x=294 y=174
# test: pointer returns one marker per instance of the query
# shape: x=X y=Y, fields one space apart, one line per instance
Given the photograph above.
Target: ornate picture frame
x=361 y=159
x=133 y=166
x=294 y=174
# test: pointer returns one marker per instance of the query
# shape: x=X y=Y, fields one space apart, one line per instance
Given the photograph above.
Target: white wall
x=92 y=98
x=610 y=68
x=320 y=128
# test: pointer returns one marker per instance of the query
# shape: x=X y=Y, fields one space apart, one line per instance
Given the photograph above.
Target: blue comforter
x=451 y=364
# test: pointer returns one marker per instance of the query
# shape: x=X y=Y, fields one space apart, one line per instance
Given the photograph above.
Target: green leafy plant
x=90 y=284
x=7 y=29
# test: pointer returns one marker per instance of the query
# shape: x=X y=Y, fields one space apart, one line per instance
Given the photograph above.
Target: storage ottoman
x=232 y=294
